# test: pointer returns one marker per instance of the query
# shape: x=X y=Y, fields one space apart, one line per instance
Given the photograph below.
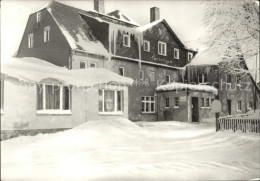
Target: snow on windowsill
x=148 y=112
x=120 y=113
x=54 y=112
x=176 y=107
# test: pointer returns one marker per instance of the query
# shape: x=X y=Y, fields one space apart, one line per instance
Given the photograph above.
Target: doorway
x=229 y=106
x=195 y=109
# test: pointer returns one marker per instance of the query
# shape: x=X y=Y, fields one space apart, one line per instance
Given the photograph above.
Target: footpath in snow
x=120 y=149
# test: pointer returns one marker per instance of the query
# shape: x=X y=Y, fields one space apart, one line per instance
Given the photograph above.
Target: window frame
x=176 y=102
x=85 y=63
x=46 y=34
x=204 y=76
x=148 y=46
x=115 y=112
x=207 y=102
x=168 y=78
x=38 y=17
x=228 y=78
x=142 y=73
x=162 y=44
x=238 y=80
x=203 y=105
x=59 y=111
x=123 y=68
x=150 y=102
x=129 y=40
x=167 y=102
x=190 y=58
x=239 y=105
x=93 y=63
x=178 y=53
x=30 y=40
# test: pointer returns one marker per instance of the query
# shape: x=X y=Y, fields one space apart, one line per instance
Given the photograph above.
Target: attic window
x=30 y=40
x=176 y=53
x=238 y=79
x=168 y=78
x=126 y=40
x=47 y=34
x=190 y=55
x=146 y=46
x=162 y=49
x=38 y=17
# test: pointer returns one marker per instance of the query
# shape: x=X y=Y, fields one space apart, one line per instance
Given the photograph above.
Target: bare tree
x=233 y=32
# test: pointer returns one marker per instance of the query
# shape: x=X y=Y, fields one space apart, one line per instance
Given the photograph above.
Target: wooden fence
x=244 y=125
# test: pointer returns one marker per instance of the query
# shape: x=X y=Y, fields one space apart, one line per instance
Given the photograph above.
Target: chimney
x=99 y=6
x=154 y=14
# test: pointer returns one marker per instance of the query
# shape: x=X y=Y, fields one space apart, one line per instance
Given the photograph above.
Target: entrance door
x=195 y=109
x=229 y=106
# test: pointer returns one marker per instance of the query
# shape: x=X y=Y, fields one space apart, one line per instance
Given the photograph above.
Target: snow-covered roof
x=77 y=32
x=119 y=15
x=181 y=86
x=34 y=70
x=205 y=57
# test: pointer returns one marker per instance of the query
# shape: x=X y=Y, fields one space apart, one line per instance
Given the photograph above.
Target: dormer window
x=162 y=48
x=38 y=17
x=238 y=80
x=30 y=40
x=176 y=53
x=190 y=56
x=47 y=34
x=146 y=46
x=126 y=40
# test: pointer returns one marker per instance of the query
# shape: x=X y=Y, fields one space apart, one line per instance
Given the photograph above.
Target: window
x=148 y=104
x=126 y=40
x=110 y=101
x=168 y=78
x=176 y=53
x=238 y=79
x=121 y=71
x=53 y=99
x=47 y=34
x=146 y=46
x=2 y=95
x=141 y=74
x=83 y=64
x=176 y=102
x=190 y=56
x=249 y=105
x=207 y=103
x=202 y=103
x=203 y=78
x=228 y=78
x=167 y=103
x=38 y=17
x=93 y=65
x=30 y=40
x=239 y=105
x=152 y=77
x=162 y=48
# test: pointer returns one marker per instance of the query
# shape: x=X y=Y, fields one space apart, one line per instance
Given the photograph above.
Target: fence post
x=217 y=123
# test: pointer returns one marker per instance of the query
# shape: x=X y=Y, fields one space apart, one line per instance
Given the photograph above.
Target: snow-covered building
x=237 y=92
x=37 y=96
x=151 y=54
x=185 y=102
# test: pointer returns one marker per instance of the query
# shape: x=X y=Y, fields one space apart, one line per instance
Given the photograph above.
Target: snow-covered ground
x=119 y=149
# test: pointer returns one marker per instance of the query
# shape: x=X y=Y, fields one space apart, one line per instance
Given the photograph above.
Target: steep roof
x=150 y=25
x=119 y=15
x=77 y=32
x=35 y=70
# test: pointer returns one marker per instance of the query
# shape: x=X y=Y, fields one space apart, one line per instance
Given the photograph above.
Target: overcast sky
x=185 y=17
